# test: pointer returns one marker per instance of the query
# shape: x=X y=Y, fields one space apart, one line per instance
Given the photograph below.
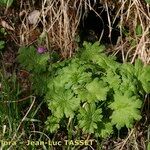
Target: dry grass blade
x=60 y=20
x=63 y=20
x=14 y=136
x=133 y=14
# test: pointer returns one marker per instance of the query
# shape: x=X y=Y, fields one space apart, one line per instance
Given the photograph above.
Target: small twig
x=23 y=120
x=127 y=139
x=41 y=133
x=23 y=99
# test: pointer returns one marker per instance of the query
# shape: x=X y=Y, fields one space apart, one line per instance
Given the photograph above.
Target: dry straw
x=64 y=17
x=61 y=18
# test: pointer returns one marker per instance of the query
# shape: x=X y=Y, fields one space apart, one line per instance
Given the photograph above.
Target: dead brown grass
x=134 y=141
x=133 y=13
x=60 y=21
x=64 y=17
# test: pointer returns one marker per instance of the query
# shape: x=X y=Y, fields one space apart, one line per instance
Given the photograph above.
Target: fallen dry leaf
x=5 y=25
x=34 y=16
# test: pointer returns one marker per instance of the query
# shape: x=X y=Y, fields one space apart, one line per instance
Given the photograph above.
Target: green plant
x=148 y=146
x=3 y=31
x=138 y=30
x=16 y=115
x=91 y=91
x=147 y=1
x=36 y=63
x=6 y=3
x=2 y=44
x=9 y=108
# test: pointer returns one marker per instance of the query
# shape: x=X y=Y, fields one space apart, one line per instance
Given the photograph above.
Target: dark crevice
x=95 y=26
